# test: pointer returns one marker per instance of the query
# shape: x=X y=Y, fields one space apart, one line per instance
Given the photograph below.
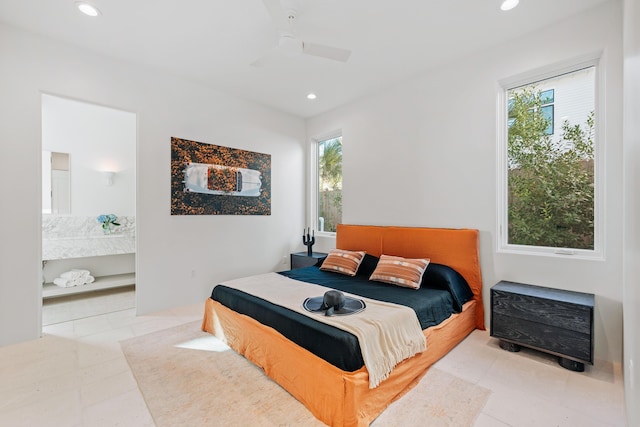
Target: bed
x=340 y=397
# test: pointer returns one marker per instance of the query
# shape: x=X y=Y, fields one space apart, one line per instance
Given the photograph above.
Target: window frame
x=314 y=179
x=551 y=106
x=502 y=221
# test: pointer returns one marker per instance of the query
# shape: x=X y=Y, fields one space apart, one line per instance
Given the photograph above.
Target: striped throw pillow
x=343 y=262
x=399 y=271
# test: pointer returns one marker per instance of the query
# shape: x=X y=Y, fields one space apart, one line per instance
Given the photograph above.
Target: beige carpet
x=189 y=378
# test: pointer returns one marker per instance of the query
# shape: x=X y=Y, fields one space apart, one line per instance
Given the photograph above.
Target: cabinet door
x=301 y=261
x=559 y=341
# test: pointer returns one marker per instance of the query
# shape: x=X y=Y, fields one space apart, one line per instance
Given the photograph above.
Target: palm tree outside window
x=329 y=184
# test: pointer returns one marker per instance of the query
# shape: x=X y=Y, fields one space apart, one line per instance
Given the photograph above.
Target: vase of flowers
x=108 y=221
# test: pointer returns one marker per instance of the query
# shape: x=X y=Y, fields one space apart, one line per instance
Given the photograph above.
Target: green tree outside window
x=550 y=183
x=330 y=184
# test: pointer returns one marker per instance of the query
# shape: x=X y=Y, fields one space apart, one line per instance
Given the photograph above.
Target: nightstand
x=555 y=321
x=302 y=259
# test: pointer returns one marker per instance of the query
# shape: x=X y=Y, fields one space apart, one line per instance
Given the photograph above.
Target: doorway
x=88 y=209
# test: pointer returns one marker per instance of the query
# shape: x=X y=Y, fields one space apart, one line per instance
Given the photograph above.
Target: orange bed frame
x=340 y=398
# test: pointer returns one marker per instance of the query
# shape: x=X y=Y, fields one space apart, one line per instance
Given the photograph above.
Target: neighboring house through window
x=546 y=107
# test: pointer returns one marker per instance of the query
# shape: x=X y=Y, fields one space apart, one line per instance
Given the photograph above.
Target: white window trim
x=313 y=179
x=544 y=73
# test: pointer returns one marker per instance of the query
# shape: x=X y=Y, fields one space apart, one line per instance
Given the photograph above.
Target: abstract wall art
x=209 y=179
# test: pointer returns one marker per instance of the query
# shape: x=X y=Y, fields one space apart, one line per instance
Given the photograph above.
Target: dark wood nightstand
x=301 y=259
x=550 y=320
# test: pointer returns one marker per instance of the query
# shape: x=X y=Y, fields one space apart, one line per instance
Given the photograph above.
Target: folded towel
x=64 y=282
x=60 y=281
x=71 y=275
x=75 y=274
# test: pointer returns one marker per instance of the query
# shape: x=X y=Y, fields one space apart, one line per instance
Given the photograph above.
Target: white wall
x=632 y=209
x=423 y=153
x=178 y=258
x=97 y=139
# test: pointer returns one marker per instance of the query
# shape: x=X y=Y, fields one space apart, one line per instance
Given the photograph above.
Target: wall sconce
x=108 y=178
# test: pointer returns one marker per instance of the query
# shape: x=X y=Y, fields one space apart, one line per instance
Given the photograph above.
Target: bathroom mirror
x=56 y=183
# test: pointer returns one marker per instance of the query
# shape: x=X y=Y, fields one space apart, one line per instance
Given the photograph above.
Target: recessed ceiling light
x=87 y=8
x=509 y=4
x=311 y=96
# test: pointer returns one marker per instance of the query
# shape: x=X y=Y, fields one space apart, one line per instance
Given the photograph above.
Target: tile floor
x=76 y=375
x=80 y=306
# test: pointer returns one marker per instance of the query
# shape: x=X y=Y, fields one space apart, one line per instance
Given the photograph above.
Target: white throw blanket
x=387 y=333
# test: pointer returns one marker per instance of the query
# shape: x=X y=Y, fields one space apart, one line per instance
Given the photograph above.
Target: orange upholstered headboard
x=456 y=248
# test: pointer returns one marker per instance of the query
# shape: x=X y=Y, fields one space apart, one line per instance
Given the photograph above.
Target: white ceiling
x=214 y=42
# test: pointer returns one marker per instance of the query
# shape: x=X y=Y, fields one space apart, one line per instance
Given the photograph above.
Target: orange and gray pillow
x=405 y=272
x=343 y=262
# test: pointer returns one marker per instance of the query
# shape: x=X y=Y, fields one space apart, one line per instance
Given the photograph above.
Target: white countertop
x=79 y=247
x=66 y=236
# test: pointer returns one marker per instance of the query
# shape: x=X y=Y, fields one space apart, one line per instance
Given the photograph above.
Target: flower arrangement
x=107 y=221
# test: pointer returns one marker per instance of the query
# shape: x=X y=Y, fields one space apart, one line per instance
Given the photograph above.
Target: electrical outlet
x=193 y=274
x=284 y=260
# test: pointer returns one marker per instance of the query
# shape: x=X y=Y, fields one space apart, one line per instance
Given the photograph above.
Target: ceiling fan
x=284 y=21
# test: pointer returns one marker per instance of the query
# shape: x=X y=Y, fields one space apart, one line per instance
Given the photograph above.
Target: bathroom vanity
x=78 y=242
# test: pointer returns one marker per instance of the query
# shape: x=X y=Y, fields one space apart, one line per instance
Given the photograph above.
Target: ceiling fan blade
x=283 y=19
x=327 y=52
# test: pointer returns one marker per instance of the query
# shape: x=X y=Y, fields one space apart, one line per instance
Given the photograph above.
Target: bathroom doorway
x=88 y=209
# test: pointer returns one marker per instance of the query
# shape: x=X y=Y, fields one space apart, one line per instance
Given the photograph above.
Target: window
x=546 y=108
x=327 y=161
x=548 y=180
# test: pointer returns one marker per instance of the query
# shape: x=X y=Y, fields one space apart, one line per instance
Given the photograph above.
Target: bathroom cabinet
x=79 y=243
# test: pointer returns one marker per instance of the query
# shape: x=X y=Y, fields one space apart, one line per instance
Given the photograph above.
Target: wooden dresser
x=555 y=321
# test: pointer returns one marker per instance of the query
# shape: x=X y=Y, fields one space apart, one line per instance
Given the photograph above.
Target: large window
x=549 y=187
x=328 y=191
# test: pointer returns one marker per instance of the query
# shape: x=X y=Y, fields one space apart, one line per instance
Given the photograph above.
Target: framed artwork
x=209 y=179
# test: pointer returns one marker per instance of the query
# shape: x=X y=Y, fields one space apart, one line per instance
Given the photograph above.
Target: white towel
x=63 y=282
x=75 y=274
x=68 y=275
x=71 y=275
x=67 y=282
